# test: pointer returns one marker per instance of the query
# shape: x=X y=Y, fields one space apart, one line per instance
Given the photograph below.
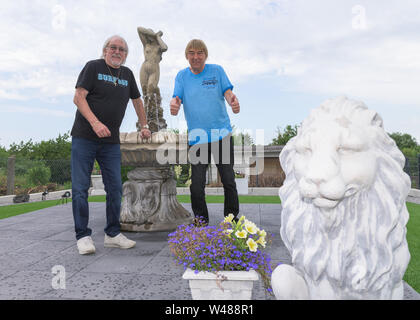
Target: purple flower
x=209 y=248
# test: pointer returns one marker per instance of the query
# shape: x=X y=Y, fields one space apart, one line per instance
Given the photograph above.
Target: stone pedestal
x=149 y=195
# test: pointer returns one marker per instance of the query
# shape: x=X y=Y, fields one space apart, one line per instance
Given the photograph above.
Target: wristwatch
x=146 y=126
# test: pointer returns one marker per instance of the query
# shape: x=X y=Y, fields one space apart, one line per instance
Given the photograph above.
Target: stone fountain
x=149 y=195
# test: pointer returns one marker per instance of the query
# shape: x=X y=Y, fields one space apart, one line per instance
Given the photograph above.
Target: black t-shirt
x=106 y=100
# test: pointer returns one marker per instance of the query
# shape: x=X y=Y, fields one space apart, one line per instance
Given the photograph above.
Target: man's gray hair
x=109 y=40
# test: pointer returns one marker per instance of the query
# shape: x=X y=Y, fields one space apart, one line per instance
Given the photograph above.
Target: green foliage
x=3 y=152
x=186 y=198
x=60 y=170
x=241 y=138
x=173 y=130
x=53 y=149
x=39 y=175
x=56 y=154
x=182 y=175
x=283 y=137
x=22 y=150
x=413 y=238
x=404 y=140
x=124 y=171
x=22 y=165
x=410 y=152
x=16 y=209
x=60 y=148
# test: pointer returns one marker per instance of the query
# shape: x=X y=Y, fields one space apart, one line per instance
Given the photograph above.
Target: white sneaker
x=119 y=241
x=85 y=245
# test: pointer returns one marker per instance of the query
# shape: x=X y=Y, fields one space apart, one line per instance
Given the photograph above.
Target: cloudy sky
x=284 y=57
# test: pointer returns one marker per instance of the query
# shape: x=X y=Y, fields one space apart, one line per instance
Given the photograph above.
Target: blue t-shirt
x=204 y=103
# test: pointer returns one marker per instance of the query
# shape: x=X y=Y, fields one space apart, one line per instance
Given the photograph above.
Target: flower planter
x=242 y=185
x=225 y=285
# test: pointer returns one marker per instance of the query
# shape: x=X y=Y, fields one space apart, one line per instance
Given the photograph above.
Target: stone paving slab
x=33 y=243
x=155 y=287
x=91 y=285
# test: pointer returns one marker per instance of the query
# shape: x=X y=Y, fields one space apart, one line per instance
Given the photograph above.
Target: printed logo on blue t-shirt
x=108 y=78
x=209 y=83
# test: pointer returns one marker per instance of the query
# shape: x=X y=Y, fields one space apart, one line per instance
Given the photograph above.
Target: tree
x=53 y=153
x=53 y=149
x=39 y=175
x=283 y=137
x=23 y=149
x=241 y=138
x=3 y=152
x=404 y=140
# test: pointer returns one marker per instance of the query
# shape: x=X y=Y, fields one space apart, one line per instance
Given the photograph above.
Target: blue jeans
x=83 y=155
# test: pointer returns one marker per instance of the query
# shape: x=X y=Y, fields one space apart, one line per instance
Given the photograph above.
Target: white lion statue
x=344 y=214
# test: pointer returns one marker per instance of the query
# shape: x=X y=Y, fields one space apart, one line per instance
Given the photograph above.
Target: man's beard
x=116 y=64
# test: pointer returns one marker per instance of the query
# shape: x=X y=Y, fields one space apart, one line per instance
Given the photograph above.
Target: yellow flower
x=250 y=227
x=229 y=218
x=262 y=241
x=178 y=170
x=241 y=234
x=252 y=245
x=262 y=233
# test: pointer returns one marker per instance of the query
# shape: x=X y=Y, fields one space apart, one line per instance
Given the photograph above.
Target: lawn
x=412 y=275
x=242 y=199
x=16 y=209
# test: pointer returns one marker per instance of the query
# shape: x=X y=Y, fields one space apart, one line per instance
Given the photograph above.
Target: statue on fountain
x=149 y=195
x=153 y=47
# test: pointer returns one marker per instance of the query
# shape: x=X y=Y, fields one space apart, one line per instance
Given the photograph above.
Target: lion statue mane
x=343 y=214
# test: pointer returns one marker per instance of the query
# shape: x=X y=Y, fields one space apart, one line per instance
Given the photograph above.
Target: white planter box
x=97 y=185
x=226 y=285
x=242 y=185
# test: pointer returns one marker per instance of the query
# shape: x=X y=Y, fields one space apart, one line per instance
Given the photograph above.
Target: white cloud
x=387 y=71
x=312 y=46
x=314 y=41
x=38 y=111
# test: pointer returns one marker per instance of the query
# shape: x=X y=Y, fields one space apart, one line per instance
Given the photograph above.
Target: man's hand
x=234 y=103
x=145 y=133
x=100 y=129
x=175 y=104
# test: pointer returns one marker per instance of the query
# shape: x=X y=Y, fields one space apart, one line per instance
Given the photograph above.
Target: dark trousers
x=83 y=154
x=224 y=158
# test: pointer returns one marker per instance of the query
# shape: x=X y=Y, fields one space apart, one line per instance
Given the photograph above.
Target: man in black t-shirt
x=103 y=90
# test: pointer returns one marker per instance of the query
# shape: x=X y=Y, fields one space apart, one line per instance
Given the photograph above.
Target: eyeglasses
x=114 y=48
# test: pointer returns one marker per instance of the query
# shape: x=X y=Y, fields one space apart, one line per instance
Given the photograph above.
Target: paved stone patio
x=33 y=243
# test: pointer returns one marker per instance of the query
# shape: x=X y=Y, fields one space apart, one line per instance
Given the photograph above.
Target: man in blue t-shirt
x=202 y=89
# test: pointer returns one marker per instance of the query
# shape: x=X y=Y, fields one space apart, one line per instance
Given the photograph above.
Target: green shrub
x=60 y=170
x=39 y=175
x=124 y=171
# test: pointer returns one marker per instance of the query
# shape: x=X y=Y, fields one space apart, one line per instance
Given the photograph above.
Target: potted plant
x=221 y=262
x=241 y=182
